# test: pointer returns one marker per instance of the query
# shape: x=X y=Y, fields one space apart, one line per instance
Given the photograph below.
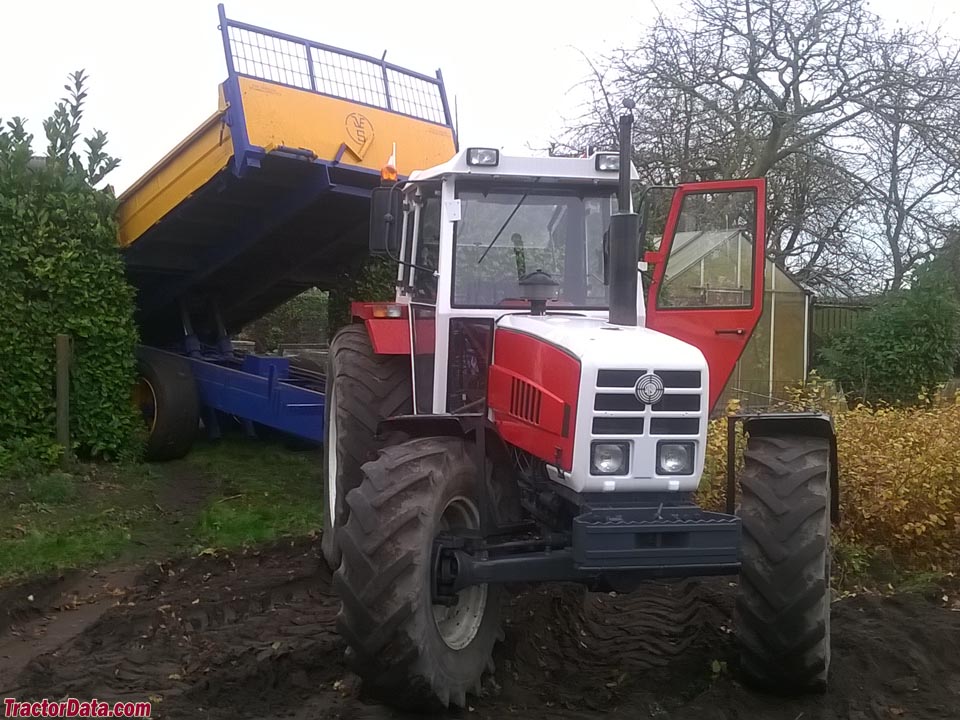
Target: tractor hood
x=561 y=384
x=594 y=341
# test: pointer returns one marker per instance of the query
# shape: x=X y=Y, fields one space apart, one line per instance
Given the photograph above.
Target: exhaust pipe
x=624 y=236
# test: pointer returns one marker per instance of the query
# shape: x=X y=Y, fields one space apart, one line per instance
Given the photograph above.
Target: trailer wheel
x=409 y=652
x=166 y=395
x=783 y=608
x=362 y=389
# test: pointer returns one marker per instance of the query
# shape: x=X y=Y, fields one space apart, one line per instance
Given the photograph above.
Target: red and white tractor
x=522 y=414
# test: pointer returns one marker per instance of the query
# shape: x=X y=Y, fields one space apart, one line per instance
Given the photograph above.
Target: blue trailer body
x=261 y=389
x=256 y=390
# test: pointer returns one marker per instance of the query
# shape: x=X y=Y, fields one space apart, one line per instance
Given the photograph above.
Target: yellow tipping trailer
x=270 y=195
x=266 y=198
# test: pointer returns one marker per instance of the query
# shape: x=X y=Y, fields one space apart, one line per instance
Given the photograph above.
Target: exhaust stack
x=624 y=253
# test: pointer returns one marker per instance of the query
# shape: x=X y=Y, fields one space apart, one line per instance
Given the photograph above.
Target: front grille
x=618 y=411
x=677 y=403
x=618 y=426
x=622 y=402
x=687 y=379
x=619 y=402
x=674 y=426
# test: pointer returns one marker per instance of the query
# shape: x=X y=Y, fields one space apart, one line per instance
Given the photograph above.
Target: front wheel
x=783 y=608
x=409 y=652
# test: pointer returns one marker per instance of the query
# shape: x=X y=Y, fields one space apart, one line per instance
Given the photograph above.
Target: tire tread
x=783 y=607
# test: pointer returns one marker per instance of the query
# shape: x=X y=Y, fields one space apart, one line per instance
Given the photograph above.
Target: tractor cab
x=469 y=234
x=468 y=237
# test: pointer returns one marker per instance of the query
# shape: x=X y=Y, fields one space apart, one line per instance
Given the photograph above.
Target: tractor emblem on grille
x=649 y=389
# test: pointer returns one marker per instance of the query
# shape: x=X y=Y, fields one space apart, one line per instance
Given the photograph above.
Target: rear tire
x=407 y=652
x=170 y=404
x=363 y=388
x=783 y=608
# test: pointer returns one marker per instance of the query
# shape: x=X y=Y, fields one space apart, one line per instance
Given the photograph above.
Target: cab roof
x=520 y=167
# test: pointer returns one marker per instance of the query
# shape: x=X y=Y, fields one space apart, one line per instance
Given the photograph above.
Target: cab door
x=707 y=284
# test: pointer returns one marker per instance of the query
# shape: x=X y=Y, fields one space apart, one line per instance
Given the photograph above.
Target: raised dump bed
x=269 y=196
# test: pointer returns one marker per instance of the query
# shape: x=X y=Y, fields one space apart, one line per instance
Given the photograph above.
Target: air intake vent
x=525 y=401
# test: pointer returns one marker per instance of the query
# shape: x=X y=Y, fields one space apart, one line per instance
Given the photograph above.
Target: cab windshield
x=505 y=233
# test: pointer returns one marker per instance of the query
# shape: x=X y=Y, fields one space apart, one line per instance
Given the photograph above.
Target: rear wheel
x=783 y=608
x=166 y=396
x=408 y=651
x=363 y=388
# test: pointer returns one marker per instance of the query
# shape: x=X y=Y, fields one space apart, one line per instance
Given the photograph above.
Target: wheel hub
x=457 y=616
x=145 y=400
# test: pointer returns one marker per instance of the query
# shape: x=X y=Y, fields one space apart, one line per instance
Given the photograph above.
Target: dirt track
x=253 y=636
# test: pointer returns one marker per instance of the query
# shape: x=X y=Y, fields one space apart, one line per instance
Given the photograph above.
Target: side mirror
x=386 y=221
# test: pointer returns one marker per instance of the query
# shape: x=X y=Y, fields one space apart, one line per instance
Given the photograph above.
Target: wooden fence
x=829 y=316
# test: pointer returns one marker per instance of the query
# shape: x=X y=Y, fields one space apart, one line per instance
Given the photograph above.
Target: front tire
x=783 y=608
x=363 y=388
x=409 y=652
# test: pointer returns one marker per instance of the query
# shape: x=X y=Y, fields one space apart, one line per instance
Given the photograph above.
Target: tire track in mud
x=575 y=649
x=231 y=631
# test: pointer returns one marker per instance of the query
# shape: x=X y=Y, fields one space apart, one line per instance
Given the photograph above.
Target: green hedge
x=374 y=280
x=903 y=348
x=60 y=272
x=302 y=319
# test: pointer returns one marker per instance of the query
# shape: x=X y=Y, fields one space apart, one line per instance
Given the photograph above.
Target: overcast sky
x=513 y=66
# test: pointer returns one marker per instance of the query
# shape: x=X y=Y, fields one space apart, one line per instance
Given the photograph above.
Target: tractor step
x=636 y=538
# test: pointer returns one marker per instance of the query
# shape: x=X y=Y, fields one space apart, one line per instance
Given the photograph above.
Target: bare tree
x=903 y=154
x=856 y=128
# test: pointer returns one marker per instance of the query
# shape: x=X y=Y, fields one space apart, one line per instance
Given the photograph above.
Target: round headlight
x=675 y=459
x=608 y=458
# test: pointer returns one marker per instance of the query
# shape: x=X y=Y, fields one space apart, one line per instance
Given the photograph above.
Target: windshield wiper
x=502 y=227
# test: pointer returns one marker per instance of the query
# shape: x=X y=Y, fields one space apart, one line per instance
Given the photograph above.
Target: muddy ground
x=252 y=635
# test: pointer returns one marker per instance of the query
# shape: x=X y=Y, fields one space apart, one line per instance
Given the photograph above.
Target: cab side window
x=428 y=250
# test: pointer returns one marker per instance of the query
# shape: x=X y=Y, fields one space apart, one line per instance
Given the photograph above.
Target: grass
x=858 y=569
x=264 y=491
x=72 y=518
x=224 y=495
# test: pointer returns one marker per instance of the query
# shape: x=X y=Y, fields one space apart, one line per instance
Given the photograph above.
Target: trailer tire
x=409 y=652
x=167 y=395
x=783 y=606
x=364 y=388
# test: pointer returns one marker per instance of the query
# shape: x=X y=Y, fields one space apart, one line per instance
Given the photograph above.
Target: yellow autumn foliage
x=899 y=478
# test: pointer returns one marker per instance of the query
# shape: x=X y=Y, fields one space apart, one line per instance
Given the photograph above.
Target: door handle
x=730 y=331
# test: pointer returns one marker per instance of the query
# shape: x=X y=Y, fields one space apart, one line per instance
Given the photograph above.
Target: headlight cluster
x=483 y=156
x=675 y=458
x=609 y=458
x=613 y=458
x=608 y=162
